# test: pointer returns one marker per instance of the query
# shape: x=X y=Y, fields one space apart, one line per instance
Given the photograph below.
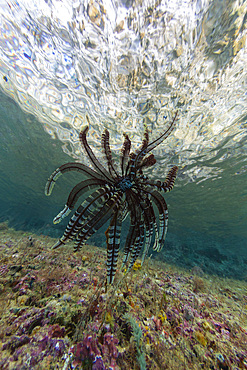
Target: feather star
x=115 y=195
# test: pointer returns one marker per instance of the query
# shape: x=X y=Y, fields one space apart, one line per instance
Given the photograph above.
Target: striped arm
x=74 y=195
x=132 y=164
x=168 y=184
x=146 y=162
x=87 y=208
x=125 y=211
x=82 y=188
x=125 y=153
x=129 y=240
x=113 y=244
x=95 y=162
x=107 y=150
x=163 y=217
x=79 y=167
x=139 y=240
x=156 y=142
x=130 y=168
x=140 y=153
x=135 y=215
x=161 y=205
x=149 y=231
x=98 y=219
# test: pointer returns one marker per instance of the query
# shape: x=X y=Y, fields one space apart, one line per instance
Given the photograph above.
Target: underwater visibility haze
x=125 y=68
x=127 y=65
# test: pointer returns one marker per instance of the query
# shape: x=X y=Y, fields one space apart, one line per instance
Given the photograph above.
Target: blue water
x=207 y=221
x=123 y=65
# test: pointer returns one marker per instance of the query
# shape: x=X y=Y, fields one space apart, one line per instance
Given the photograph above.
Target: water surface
x=126 y=64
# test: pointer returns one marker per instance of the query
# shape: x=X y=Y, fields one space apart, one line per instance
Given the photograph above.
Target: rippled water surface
x=126 y=64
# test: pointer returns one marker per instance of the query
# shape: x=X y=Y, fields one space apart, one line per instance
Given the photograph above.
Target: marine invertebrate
x=117 y=194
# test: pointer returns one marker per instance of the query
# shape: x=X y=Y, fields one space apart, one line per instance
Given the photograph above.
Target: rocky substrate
x=57 y=313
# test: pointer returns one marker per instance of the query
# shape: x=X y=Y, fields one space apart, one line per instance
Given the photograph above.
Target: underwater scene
x=123 y=184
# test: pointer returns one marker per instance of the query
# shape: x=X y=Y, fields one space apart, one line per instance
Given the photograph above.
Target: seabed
x=56 y=313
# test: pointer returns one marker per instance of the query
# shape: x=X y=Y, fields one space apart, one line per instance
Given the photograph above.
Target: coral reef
x=57 y=313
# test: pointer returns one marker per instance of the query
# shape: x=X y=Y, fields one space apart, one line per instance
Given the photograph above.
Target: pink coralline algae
x=56 y=313
x=86 y=352
x=24 y=284
x=110 y=351
x=99 y=356
x=55 y=331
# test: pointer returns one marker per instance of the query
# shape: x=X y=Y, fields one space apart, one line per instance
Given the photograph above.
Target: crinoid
x=115 y=195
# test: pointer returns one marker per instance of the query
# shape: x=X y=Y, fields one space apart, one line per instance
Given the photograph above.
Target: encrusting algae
x=56 y=314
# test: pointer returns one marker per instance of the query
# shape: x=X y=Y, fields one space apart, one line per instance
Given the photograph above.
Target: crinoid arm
x=143 y=225
x=137 y=244
x=86 y=211
x=147 y=148
x=64 y=213
x=125 y=153
x=95 y=162
x=149 y=226
x=170 y=179
x=125 y=211
x=168 y=184
x=116 y=196
x=146 y=162
x=161 y=205
x=136 y=159
x=77 y=191
x=130 y=240
x=98 y=219
x=136 y=247
x=113 y=244
x=135 y=215
x=78 y=167
x=107 y=151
